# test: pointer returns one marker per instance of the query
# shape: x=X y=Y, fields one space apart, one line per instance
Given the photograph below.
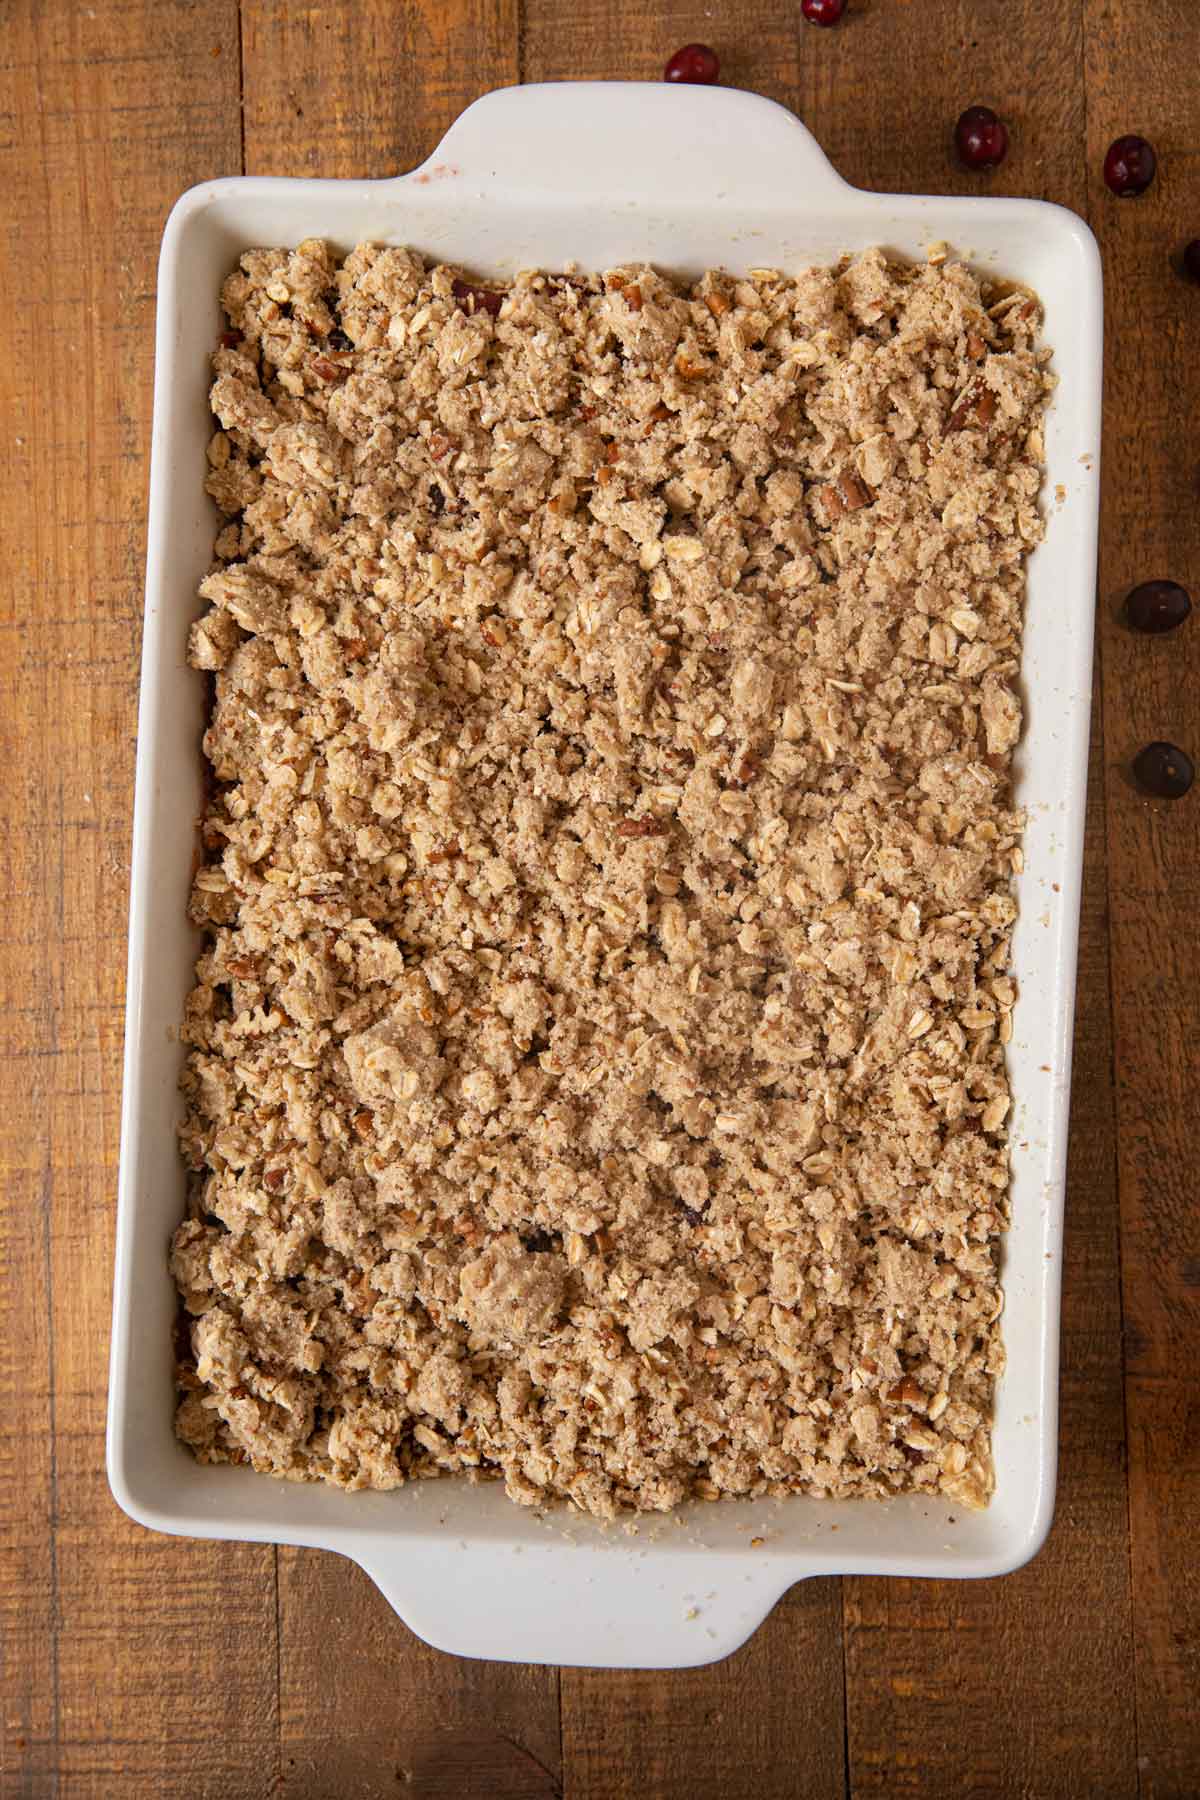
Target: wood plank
x=367 y=91
x=1151 y=527
x=369 y=1710
x=731 y=1727
x=132 y=1664
x=884 y=90
x=765 y=1722
x=619 y=40
x=946 y=1688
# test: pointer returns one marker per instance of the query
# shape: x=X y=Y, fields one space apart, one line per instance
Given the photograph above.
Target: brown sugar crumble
x=596 y=1070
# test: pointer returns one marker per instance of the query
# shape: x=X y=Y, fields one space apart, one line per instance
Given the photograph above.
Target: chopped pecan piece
x=961 y=413
x=688 y=367
x=977 y=406
x=633 y=297
x=327 y=368
x=847 y=494
x=641 y=828
x=907 y=1392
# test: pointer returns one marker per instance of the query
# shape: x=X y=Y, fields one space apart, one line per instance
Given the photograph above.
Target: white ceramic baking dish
x=686 y=178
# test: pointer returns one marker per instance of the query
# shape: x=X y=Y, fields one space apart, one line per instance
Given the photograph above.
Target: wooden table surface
x=139 y=1665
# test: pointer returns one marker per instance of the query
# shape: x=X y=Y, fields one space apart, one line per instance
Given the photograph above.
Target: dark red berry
x=1190 y=259
x=1157 y=606
x=476 y=299
x=822 y=12
x=694 y=63
x=1164 y=770
x=981 y=138
x=1129 y=166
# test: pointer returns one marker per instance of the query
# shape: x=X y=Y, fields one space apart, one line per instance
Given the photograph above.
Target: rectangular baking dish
x=602 y=174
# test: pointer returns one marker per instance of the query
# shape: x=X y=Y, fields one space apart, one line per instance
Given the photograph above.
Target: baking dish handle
x=547 y=1601
x=584 y=141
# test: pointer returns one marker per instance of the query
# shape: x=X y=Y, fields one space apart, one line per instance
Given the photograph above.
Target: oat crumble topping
x=596 y=1069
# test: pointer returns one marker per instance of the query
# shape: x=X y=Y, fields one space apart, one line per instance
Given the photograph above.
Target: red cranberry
x=1129 y=166
x=981 y=138
x=822 y=12
x=1190 y=259
x=1164 y=770
x=1157 y=606
x=694 y=63
x=476 y=299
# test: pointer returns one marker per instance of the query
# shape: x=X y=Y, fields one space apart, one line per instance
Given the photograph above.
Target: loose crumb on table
x=596 y=1070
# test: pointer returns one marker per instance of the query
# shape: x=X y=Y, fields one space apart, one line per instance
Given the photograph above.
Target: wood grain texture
x=137 y=1665
x=1151 y=526
x=368 y=1710
x=884 y=91
x=366 y=89
x=620 y=40
x=766 y=1722
x=131 y=1664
